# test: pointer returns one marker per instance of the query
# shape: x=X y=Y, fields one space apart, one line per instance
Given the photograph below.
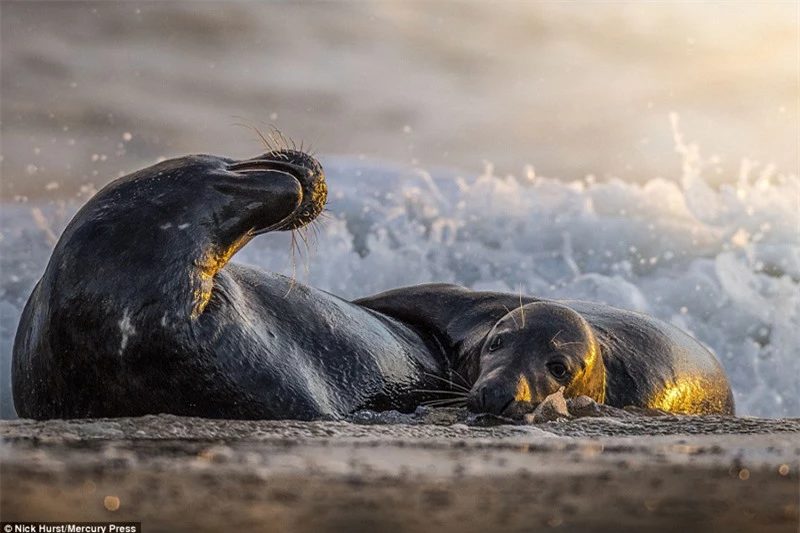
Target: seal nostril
x=490 y=398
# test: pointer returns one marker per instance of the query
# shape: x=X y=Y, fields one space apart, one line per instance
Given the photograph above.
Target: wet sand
x=601 y=474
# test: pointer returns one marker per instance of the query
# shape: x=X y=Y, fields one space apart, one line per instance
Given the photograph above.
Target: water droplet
x=111 y=503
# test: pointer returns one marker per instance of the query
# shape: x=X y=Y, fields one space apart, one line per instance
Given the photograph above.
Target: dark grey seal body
x=515 y=351
x=140 y=312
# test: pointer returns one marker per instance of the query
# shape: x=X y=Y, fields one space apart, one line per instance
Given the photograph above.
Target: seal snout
x=306 y=173
x=487 y=399
x=311 y=177
x=501 y=399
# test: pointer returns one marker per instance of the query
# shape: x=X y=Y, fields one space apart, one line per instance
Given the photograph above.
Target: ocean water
x=514 y=146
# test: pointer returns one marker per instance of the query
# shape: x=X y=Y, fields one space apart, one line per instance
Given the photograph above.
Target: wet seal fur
x=139 y=311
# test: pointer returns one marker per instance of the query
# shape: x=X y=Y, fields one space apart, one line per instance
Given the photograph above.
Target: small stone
x=584 y=406
x=552 y=408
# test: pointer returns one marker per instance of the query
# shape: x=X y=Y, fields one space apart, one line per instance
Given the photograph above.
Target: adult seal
x=139 y=311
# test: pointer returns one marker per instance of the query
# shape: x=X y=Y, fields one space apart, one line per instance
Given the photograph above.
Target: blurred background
x=93 y=89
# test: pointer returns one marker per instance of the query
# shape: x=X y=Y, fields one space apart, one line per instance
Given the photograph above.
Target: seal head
x=532 y=352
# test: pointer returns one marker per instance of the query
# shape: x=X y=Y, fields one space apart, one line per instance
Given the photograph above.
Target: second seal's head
x=532 y=352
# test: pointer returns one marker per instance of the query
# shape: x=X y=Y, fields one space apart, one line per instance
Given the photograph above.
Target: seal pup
x=514 y=351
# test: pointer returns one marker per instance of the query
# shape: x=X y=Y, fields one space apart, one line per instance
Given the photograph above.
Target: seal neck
x=211 y=263
x=147 y=269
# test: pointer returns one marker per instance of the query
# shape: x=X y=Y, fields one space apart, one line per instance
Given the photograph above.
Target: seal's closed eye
x=262 y=165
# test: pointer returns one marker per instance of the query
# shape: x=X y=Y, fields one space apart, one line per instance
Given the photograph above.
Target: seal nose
x=488 y=399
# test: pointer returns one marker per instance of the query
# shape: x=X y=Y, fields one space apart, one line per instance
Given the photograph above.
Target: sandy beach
x=596 y=474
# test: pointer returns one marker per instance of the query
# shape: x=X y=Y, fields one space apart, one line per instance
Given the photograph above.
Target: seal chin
x=517 y=410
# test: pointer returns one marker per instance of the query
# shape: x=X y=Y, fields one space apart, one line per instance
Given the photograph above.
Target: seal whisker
x=304 y=237
x=293 y=278
x=312 y=235
x=450 y=402
x=466 y=383
x=273 y=131
x=315 y=226
x=280 y=152
x=307 y=237
x=512 y=316
x=272 y=144
x=284 y=141
x=302 y=232
x=255 y=130
x=277 y=143
x=521 y=308
x=449 y=382
x=442 y=400
x=459 y=394
x=561 y=344
x=456 y=385
x=306 y=234
x=437 y=405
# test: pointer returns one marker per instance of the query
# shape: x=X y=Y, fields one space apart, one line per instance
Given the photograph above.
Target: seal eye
x=497 y=342
x=559 y=370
